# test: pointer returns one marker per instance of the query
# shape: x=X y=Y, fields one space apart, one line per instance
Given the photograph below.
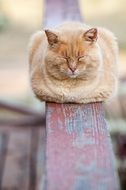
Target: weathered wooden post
x=79 y=153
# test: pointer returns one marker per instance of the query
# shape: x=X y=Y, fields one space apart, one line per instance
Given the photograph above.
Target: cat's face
x=74 y=55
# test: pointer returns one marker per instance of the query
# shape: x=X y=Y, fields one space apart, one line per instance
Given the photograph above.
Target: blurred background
x=18 y=20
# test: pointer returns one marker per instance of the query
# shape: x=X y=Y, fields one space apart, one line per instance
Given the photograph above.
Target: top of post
x=60 y=11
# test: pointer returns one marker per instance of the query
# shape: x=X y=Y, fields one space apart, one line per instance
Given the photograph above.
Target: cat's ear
x=91 y=35
x=51 y=37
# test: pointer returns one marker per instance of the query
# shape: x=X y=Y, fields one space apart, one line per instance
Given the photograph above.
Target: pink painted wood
x=79 y=153
x=58 y=11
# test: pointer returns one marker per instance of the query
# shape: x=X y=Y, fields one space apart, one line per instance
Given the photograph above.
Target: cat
x=75 y=63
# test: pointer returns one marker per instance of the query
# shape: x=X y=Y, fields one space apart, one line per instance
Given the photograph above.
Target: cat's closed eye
x=81 y=58
x=65 y=59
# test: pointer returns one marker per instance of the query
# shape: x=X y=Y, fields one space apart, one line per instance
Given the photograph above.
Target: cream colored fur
x=101 y=86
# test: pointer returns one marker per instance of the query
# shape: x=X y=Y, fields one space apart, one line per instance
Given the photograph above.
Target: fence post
x=79 y=153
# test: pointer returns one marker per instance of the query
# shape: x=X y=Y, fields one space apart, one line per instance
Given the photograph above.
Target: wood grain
x=21 y=157
x=79 y=150
x=16 y=172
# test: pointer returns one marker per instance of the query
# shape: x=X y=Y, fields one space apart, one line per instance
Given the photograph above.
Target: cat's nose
x=72 y=68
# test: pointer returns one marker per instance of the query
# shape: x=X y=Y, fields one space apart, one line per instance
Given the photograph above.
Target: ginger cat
x=73 y=63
